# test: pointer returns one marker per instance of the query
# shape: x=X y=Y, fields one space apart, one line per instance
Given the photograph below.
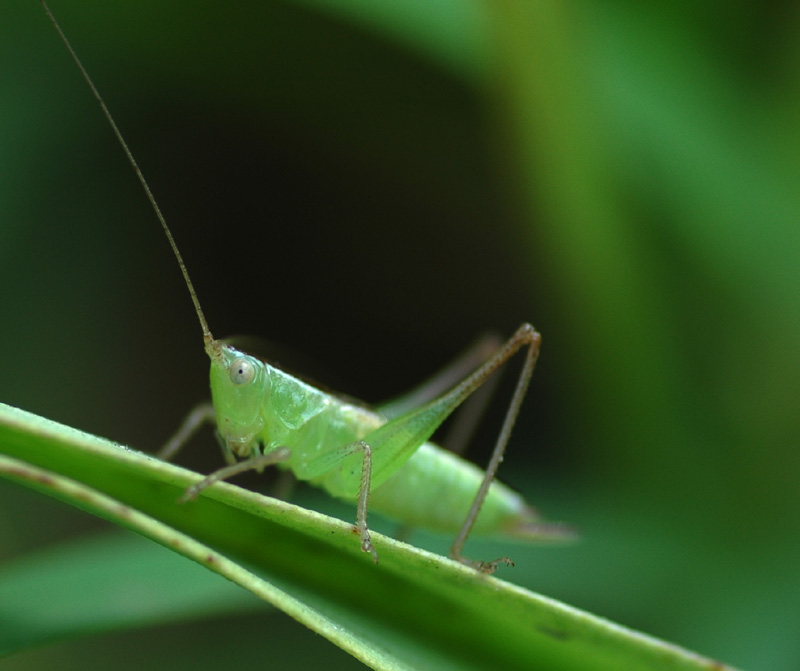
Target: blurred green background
x=375 y=184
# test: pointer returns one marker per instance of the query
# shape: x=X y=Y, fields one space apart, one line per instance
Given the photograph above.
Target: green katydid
x=383 y=460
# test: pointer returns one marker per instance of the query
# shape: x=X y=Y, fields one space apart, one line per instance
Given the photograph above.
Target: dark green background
x=374 y=186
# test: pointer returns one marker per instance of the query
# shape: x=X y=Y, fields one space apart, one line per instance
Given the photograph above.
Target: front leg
x=201 y=414
x=252 y=464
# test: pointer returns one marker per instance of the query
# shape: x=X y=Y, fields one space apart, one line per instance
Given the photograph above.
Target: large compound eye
x=242 y=371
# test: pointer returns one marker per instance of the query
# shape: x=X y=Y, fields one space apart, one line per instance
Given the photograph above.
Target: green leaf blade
x=414 y=610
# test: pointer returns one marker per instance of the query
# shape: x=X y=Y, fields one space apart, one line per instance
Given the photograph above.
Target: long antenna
x=207 y=337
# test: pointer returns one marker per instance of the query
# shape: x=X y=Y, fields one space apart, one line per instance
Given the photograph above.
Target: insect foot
x=366 y=546
x=487 y=567
x=191 y=493
x=490 y=567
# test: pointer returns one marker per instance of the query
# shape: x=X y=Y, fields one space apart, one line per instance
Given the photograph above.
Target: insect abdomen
x=434 y=490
